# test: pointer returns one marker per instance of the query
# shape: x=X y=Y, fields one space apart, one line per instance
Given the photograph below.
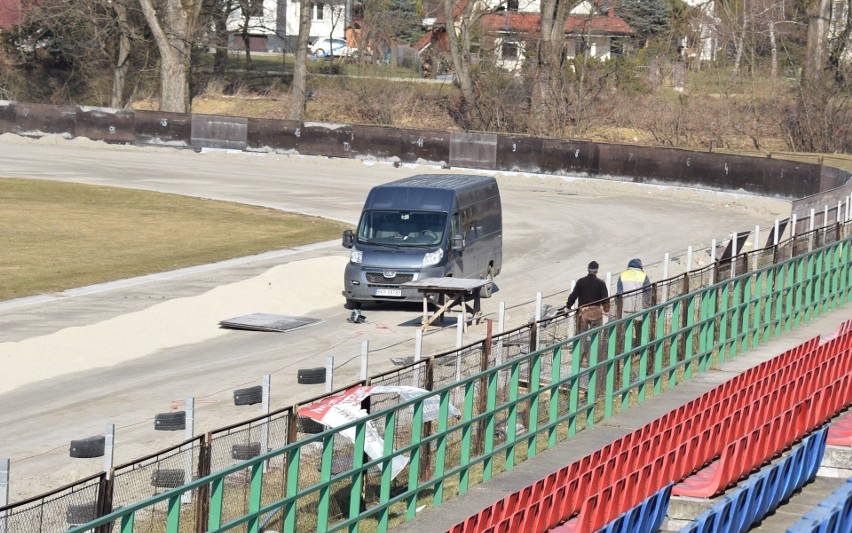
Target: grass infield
x=56 y=235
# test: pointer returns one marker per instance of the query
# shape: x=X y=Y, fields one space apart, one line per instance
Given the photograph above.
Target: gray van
x=425 y=226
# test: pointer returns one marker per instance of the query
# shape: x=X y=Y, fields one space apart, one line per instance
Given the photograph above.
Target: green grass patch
x=57 y=236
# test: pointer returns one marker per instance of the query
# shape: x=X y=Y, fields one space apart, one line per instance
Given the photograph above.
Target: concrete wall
x=812 y=185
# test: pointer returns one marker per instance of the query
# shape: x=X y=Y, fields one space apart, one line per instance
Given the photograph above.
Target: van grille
x=378 y=277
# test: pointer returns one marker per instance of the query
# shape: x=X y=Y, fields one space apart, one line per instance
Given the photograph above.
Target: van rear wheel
x=486 y=290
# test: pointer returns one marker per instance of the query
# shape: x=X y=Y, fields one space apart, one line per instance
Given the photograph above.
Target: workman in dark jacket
x=591 y=295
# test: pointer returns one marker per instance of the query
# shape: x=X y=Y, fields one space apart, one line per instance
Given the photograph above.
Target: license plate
x=388 y=292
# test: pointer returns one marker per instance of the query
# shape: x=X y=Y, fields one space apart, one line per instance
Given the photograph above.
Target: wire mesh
x=144 y=478
x=56 y=511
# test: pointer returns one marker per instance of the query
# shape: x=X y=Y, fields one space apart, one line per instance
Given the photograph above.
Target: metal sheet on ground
x=268 y=322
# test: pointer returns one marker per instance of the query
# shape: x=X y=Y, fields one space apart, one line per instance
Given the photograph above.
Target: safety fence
x=715 y=171
x=229 y=446
x=510 y=409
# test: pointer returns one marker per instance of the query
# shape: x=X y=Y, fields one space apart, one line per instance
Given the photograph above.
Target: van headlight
x=356 y=256
x=433 y=258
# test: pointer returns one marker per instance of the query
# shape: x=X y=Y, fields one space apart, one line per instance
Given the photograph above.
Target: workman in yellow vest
x=629 y=283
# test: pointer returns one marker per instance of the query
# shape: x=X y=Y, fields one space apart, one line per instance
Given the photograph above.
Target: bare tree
x=298 y=94
x=122 y=63
x=550 y=62
x=460 y=34
x=816 y=55
x=173 y=32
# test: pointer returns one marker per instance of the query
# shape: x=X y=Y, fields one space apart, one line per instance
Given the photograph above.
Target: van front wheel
x=486 y=290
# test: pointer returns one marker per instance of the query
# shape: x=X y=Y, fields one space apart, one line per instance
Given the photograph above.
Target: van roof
x=442 y=181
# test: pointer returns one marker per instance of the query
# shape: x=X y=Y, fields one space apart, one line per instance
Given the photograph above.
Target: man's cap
x=593 y=266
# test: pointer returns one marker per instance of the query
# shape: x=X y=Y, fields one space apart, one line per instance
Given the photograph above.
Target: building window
x=317 y=10
x=509 y=50
x=512 y=5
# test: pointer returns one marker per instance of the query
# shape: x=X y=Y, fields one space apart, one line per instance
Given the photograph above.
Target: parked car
x=325 y=47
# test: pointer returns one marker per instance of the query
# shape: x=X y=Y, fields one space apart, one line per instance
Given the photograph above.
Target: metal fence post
x=665 y=276
x=186 y=497
x=776 y=237
x=329 y=373
x=483 y=385
x=4 y=491
x=426 y=453
x=203 y=507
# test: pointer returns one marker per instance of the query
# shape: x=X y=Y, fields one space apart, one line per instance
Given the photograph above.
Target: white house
x=273 y=25
x=512 y=27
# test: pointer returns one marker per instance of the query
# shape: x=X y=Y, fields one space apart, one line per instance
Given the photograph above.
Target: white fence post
x=734 y=255
x=665 y=296
x=365 y=360
x=329 y=373
x=459 y=340
x=756 y=245
x=537 y=317
x=4 y=491
x=266 y=389
x=109 y=449
x=501 y=327
x=418 y=350
x=189 y=432
x=793 y=225
x=776 y=237
x=689 y=259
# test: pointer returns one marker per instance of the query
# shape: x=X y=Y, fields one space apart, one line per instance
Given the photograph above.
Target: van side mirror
x=348 y=238
x=457 y=243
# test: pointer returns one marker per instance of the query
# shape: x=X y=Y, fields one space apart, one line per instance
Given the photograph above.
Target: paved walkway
x=453 y=511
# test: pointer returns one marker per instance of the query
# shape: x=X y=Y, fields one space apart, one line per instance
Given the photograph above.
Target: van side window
x=454 y=226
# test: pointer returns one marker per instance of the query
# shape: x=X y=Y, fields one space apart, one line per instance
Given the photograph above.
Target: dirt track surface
x=121 y=353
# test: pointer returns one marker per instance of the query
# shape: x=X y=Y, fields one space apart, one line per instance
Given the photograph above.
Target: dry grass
x=56 y=235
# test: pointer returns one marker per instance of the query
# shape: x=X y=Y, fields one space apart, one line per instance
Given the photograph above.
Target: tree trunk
x=298 y=91
x=460 y=53
x=121 y=65
x=549 y=65
x=173 y=35
x=774 y=49
x=740 y=44
x=816 y=54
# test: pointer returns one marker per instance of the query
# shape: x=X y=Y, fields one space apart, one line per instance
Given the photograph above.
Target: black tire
x=171 y=421
x=167 y=478
x=88 y=447
x=352 y=304
x=310 y=426
x=308 y=376
x=487 y=290
x=248 y=396
x=244 y=452
x=80 y=513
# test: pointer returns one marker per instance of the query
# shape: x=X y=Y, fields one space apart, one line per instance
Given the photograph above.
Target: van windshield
x=402 y=228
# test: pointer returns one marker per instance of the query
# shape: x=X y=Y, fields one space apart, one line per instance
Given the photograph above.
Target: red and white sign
x=339 y=410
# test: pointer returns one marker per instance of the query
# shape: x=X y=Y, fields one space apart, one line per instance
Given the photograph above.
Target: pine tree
x=648 y=18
